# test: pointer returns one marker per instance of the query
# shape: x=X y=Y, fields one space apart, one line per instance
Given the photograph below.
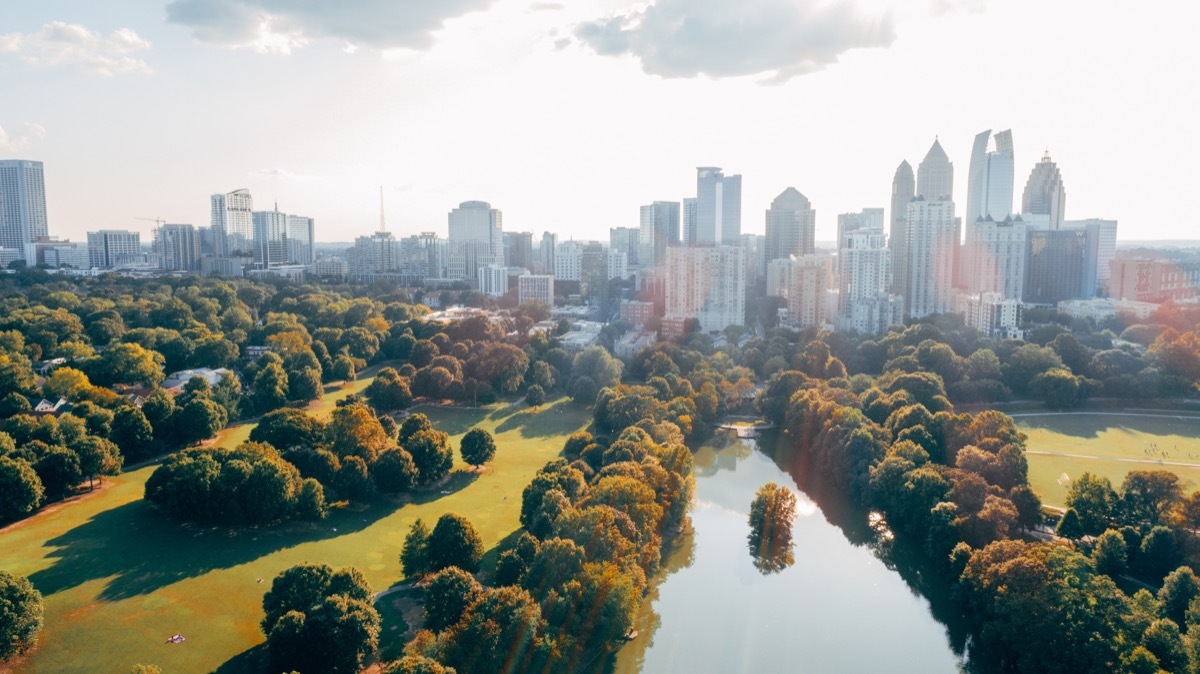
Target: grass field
x=1109 y=444
x=119 y=578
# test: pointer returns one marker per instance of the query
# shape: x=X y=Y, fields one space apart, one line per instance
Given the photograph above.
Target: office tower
x=791 y=226
x=804 y=282
x=1045 y=197
x=626 y=240
x=22 y=204
x=929 y=247
x=755 y=246
x=270 y=238
x=1061 y=266
x=518 y=249
x=108 y=248
x=535 y=288
x=1104 y=234
x=568 y=257
x=493 y=280
x=659 y=227
x=707 y=284
x=616 y=264
x=935 y=175
x=718 y=208
x=178 y=247
x=207 y=244
x=301 y=240
x=989 y=193
x=690 y=212
x=997 y=251
x=375 y=254
x=867 y=220
x=546 y=252
x=423 y=256
x=904 y=188
x=233 y=222
x=865 y=301
x=476 y=239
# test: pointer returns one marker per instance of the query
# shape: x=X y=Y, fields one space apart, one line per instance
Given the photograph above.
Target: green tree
x=454 y=542
x=160 y=409
x=1166 y=643
x=20 y=615
x=1111 y=554
x=1057 y=388
x=128 y=363
x=21 y=489
x=394 y=471
x=1140 y=661
x=477 y=447
x=353 y=430
x=771 y=515
x=97 y=457
x=1159 y=554
x=1069 y=526
x=338 y=635
x=448 y=595
x=1093 y=499
x=1147 y=495
x=431 y=453
x=288 y=427
x=200 y=419
x=389 y=391
x=304 y=385
x=414 y=557
x=132 y=433
x=535 y=396
x=343 y=368
x=416 y=664
x=1179 y=588
x=497 y=633
x=270 y=388
x=354 y=480
x=58 y=469
x=304 y=585
x=310 y=501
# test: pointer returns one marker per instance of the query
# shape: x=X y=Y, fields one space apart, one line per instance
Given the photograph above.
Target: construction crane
x=158 y=222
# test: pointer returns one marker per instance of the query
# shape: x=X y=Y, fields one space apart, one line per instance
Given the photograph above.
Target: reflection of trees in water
x=902 y=556
x=771 y=515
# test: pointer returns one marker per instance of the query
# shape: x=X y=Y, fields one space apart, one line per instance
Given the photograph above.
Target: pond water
x=839 y=608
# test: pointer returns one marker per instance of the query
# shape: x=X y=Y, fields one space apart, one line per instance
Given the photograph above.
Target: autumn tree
x=771 y=515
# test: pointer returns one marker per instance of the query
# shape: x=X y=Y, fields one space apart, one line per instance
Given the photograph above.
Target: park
x=120 y=578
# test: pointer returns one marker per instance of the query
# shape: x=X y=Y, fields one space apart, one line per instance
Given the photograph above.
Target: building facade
x=1061 y=266
x=997 y=252
x=107 y=247
x=904 y=189
x=476 y=239
x=718 y=208
x=270 y=238
x=22 y=204
x=658 y=230
x=791 y=226
x=1045 y=196
x=930 y=246
x=865 y=301
x=707 y=284
x=536 y=288
x=178 y=246
x=233 y=222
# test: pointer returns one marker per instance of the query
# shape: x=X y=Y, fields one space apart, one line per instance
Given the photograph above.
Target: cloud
x=943 y=7
x=278 y=26
x=723 y=38
x=29 y=132
x=73 y=45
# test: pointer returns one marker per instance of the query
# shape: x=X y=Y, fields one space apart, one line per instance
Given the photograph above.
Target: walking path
x=1158 y=462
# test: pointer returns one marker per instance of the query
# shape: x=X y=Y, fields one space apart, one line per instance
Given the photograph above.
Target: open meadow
x=1110 y=444
x=119 y=578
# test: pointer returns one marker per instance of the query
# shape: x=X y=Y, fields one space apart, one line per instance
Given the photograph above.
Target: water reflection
x=713 y=610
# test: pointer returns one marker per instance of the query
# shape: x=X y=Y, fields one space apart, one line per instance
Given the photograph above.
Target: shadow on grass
x=251 y=661
x=140 y=550
x=544 y=421
x=455 y=420
x=457 y=480
x=1091 y=424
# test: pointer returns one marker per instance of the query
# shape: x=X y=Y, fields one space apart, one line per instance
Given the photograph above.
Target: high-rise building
x=904 y=188
x=659 y=227
x=718 y=207
x=518 y=249
x=755 y=246
x=375 y=254
x=476 y=239
x=791 y=226
x=990 y=182
x=22 y=204
x=233 y=222
x=865 y=301
x=178 y=247
x=1104 y=235
x=535 y=288
x=1061 y=266
x=625 y=240
x=689 y=214
x=707 y=284
x=208 y=245
x=270 y=238
x=107 y=247
x=867 y=220
x=997 y=251
x=1045 y=199
x=935 y=175
x=493 y=280
x=301 y=240
x=424 y=256
x=930 y=246
x=804 y=282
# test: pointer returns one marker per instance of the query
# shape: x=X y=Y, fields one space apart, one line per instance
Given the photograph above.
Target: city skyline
x=157 y=141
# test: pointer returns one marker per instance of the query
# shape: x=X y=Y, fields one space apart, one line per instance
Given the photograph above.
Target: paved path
x=1158 y=462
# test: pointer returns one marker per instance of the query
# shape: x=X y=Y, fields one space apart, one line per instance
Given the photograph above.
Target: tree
x=304 y=384
x=1057 y=388
x=1093 y=499
x=304 y=585
x=771 y=515
x=58 y=468
x=597 y=364
x=1159 y=554
x=310 y=501
x=159 y=409
x=497 y=633
x=430 y=451
x=337 y=635
x=1147 y=495
x=1111 y=554
x=414 y=557
x=416 y=664
x=389 y=391
x=353 y=430
x=394 y=471
x=583 y=390
x=66 y=382
x=132 y=433
x=200 y=419
x=1069 y=526
x=97 y=457
x=270 y=388
x=454 y=542
x=128 y=363
x=288 y=427
x=448 y=595
x=343 y=368
x=477 y=447
x=535 y=396
x=20 y=615
x=1163 y=639
x=354 y=480
x=21 y=489
x=1179 y=588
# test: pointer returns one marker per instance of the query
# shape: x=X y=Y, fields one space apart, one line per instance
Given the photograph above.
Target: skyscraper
x=935 y=175
x=791 y=226
x=867 y=220
x=690 y=211
x=626 y=240
x=518 y=249
x=1045 y=196
x=718 y=207
x=929 y=247
x=990 y=182
x=301 y=240
x=659 y=227
x=997 y=252
x=476 y=239
x=865 y=302
x=904 y=188
x=107 y=247
x=178 y=246
x=270 y=238
x=22 y=204
x=708 y=284
x=1061 y=266
x=546 y=252
x=232 y=222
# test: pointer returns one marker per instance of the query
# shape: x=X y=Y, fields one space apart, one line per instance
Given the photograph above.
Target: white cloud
x=72 y=45
x=29 y=133
x=278 y=26
x=719 y=38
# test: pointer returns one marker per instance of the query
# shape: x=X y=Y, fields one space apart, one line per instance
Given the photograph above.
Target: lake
x=839 y=608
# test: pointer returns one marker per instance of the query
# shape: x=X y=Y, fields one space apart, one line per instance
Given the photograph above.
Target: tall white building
x=997 y=251
x=270 y=238
x=424 y=255
x=930 y=246
x=375 y=254
x=688 y=214
x=904 y=188
x=1045 y=197
x=865 y=301
x=546 y=253
x=658 y=230
x=791 y=226
x=493 y=280
x=535 y=288
x=178 y=247
x=805 y=283
x=107 y=247
x=301 y=240
x=22 y=204
x=718 y=207
x=708 y=284
x=866 y=220
x=990 y=182
x=233 y=222
x=935 y=175
x=476 y=239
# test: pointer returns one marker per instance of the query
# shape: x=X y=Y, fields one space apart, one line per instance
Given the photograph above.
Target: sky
x=568 y=116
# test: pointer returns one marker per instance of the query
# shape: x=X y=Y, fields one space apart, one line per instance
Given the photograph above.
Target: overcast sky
x=569 y=116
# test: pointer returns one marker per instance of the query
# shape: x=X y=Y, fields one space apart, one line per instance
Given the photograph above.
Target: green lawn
x=1117 y=441
x=119 y=578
